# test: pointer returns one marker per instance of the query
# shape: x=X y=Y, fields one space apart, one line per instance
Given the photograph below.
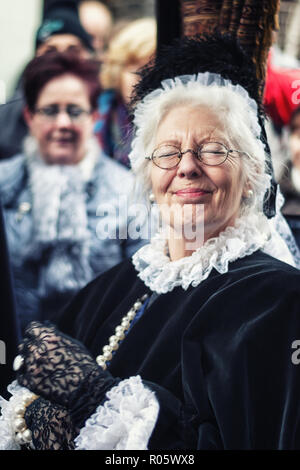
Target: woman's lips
x=64 y=139
x=64 y=143
x=191 y=192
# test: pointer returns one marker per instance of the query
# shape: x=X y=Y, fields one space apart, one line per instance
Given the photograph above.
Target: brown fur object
x=251 y=21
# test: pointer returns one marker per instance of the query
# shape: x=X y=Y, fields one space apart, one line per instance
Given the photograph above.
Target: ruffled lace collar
x=250 y=233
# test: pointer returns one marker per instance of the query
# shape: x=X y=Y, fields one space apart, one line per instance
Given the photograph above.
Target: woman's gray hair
x=232 y=107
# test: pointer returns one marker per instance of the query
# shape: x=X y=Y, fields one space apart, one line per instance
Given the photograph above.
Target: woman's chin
x=61 y=159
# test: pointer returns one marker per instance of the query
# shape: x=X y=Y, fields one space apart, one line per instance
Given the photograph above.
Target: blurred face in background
x=295 y=140
x=63 y=43
x=132 y=46
x=129 y=78
x=97 y=21
x=62 y=121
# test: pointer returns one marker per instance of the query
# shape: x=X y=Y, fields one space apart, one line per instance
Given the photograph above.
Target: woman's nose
x=63 y=119
x=189 y=165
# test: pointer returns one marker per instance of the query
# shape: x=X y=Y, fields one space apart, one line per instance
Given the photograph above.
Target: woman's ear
x=247 y=191
x=248 y=194
x=95 y=115
x=27 y=116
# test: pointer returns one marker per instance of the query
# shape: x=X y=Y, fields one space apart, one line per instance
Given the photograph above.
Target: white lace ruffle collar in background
x=250 y=233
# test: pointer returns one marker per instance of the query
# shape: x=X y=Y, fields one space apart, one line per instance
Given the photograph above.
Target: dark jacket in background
x=13 y=128
x=8 y=322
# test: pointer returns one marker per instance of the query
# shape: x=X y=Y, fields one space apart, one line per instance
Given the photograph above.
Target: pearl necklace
x=115 y=340
x=23 y=435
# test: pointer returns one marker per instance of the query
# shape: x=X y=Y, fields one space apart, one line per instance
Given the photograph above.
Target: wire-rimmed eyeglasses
x=50 y=113
x=168 y=157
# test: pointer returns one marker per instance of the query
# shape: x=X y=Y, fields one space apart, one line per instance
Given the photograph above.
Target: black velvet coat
x=218 y=356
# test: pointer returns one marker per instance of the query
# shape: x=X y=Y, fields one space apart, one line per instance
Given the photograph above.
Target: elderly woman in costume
x=52 y=193
x=192 y=344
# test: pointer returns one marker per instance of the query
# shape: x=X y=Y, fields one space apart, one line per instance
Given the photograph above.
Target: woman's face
x=62 y=138
x=193 y=186
x=129 y=78
x=295 y=141
x=63 y=43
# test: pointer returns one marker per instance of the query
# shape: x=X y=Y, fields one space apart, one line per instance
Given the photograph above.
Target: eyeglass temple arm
x=239 y=151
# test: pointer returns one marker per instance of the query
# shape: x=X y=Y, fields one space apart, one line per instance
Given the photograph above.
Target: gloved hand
x=61 y=370
x=51 y=426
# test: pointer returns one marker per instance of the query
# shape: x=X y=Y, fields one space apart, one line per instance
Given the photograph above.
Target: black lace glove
x=51 y=426
x=61 y=370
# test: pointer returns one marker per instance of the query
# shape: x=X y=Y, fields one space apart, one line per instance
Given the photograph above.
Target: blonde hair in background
x=134 y=43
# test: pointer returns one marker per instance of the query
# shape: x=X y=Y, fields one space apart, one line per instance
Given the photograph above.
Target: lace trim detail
x=124 y=422
x=7 y=433
x=250 y=233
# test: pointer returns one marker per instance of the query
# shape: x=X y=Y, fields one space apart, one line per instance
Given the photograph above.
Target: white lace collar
x=250 y=233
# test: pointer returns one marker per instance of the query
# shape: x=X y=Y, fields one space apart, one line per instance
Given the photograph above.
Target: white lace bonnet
x=147 y=107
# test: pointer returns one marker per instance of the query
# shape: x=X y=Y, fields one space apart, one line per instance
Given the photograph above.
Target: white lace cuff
x=7 y=432
x=124 y=422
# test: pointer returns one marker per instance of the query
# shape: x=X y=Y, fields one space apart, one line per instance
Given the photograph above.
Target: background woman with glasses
x=191 y=343
x=52 y=191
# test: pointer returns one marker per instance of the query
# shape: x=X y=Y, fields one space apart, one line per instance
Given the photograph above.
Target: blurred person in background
x=280 y=100
x=128 y=51
x=97 y=20
x=52 y=193
x=290 y=179
x=60 y=31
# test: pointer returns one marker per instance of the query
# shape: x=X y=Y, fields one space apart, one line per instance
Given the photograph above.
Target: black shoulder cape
x=220 y=356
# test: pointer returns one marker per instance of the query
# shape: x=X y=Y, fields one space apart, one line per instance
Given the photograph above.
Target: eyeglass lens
x=210 y=153
x=52 y=111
